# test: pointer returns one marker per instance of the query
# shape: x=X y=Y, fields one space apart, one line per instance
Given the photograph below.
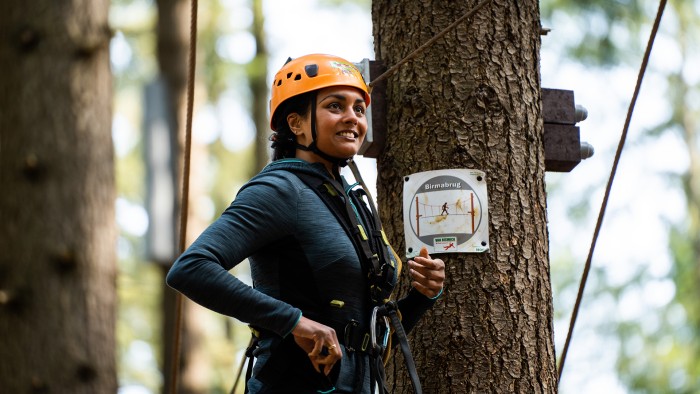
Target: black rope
x=623 y=138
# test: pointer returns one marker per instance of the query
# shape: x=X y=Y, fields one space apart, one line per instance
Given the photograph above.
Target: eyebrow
x=341 y=97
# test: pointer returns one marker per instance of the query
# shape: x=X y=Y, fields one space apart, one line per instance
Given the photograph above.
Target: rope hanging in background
x=184 y=198
x=623 y=138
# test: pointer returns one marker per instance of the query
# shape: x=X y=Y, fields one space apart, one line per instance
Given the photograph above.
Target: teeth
x=346 y=134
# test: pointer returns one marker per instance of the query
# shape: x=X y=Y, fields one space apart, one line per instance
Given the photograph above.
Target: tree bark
x=473 y=101
x=57 y=266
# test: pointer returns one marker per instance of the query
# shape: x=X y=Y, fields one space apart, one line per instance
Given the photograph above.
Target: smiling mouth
x=348 y=134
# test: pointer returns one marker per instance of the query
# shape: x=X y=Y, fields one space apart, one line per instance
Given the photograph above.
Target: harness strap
x=386 y=265
x=250 y=355
x=338 y=161
x=389 y=310
x=339 y=203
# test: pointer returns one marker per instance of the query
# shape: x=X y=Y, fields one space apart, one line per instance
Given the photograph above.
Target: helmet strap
x=336 y=161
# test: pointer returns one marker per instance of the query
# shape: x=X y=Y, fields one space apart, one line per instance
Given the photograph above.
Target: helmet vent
x=279 y=82
x=297 y=77
x=289 y=75
x=311 y=70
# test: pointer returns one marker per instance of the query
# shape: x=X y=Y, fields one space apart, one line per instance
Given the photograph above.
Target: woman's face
x=341 y=124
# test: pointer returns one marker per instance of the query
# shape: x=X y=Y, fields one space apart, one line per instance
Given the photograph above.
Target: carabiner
x=373 y=331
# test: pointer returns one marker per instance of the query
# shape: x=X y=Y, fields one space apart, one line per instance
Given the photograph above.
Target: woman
x=316 y=277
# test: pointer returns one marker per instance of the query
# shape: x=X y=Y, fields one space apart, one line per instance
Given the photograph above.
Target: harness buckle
x=348 y=334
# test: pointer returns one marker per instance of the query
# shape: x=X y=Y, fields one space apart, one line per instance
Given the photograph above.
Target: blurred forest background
x=640 y=319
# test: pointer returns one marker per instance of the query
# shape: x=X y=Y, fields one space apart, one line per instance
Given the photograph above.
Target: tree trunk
x=57 y=266
x=257 y=80
x=473 y=101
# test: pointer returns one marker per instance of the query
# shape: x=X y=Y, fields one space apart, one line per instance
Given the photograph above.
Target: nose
x=350 y=116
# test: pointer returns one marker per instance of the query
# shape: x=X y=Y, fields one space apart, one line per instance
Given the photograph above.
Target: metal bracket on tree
x=563 y=149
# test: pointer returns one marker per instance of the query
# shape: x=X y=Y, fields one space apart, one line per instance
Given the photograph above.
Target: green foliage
x=213 y=69
x=607 y=31
x=657 y=353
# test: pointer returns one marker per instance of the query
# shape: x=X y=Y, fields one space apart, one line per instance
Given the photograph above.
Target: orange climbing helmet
x=312 y=72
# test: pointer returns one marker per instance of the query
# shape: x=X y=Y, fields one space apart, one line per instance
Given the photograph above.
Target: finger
x=326 y=363
x=422 y=273
x=428 y=279
x=317 y=349
x=316 y=364
x=427 y=284
x=424 y=253
x=334 y=350
x=326 y=353
x=423 y=280
x=428 y=291
x=419 y=274
x=424 y=262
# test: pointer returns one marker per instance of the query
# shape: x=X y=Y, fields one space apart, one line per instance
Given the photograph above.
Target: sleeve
x=264 y=210
x=413 y=307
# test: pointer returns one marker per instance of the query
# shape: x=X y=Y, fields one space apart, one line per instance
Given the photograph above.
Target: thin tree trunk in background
x=257 y=80
x=473 y=101
x=58 y=260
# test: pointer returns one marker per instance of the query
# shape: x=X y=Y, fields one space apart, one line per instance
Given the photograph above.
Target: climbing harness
x=357 y=215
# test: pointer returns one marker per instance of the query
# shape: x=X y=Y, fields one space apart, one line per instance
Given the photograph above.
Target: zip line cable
x=391 y=71
x=184 y=198
x=623 y=138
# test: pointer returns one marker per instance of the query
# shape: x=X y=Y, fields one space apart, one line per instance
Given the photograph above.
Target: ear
x=294 y=122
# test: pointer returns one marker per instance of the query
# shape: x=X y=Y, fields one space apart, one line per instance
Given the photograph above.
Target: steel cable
x=604 y=204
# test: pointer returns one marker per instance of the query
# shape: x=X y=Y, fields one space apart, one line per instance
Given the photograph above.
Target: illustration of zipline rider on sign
x=446 y=211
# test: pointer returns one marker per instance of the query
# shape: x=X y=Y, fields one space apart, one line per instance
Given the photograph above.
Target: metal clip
x=373 y=331
x=348 y=335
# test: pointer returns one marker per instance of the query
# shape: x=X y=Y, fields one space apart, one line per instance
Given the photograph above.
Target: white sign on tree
x=446 y=211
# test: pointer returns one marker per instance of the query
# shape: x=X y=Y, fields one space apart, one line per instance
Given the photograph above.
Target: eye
x=334 y=106
x=360 y=109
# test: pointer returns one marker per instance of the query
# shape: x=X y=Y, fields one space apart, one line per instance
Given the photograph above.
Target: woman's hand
x=319 y=342
x=428 y=274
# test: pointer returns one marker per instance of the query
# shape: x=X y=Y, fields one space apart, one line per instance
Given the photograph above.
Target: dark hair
x=284 y=142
